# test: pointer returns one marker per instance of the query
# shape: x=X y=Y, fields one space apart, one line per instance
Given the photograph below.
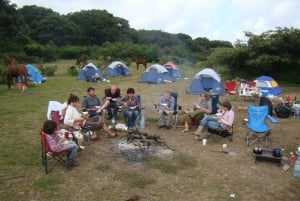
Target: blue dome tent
x=156 y=74
x=117 y=68
x=173 y=69
x=267 y=86
x=35 y=75
x=206 y=80
x=90 y=72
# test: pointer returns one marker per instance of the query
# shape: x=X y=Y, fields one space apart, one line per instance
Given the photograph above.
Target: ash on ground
x=138 y=146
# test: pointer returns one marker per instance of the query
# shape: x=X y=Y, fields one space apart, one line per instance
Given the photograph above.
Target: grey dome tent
x=89 y=73
x=156 y=74
x=206 y=80
x=117 y=68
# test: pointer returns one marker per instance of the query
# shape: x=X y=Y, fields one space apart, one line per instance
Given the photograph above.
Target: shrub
x=2 y=74
x=73 y=71
x=48 y=70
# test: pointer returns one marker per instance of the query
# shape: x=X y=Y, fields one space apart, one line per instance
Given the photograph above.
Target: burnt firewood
x=133 y=198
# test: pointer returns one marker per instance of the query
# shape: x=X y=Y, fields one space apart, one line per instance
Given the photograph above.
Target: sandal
x=185 y=130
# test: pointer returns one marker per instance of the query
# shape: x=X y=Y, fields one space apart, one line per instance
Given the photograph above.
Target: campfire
x=138 y=146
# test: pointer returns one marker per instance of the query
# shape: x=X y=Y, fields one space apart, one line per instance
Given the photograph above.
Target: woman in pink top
x=222 y=121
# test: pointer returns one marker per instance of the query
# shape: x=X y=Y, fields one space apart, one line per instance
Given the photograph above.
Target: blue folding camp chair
x=140 y=109
x=257 y=128
x=174 y=118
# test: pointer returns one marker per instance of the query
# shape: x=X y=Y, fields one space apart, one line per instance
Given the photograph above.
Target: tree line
x=37 y=34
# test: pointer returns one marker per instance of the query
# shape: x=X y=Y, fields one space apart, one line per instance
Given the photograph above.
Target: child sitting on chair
x=58 y=144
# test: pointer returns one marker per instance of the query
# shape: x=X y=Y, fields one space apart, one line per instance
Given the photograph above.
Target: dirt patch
x=191 y=172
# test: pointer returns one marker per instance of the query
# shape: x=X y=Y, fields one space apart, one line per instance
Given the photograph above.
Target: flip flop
x=184 y=131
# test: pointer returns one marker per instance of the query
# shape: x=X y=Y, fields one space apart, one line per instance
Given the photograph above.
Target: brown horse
x=139 y=61
x=15 y=70
x=108 y=59
x=81 y=61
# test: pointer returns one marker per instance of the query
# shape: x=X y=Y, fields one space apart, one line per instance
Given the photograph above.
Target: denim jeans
x=131 y=116
x=112 y=110
x=210 y=122
x=70 y=145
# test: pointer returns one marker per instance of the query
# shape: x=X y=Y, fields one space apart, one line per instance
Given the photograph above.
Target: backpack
x=283 y=111
x=267 y=102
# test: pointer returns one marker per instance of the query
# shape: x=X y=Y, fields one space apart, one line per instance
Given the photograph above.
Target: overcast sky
x=213 y=19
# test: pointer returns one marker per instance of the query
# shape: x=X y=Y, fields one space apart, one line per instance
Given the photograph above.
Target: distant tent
x=206 y=80
x=173 y=69
x=156 y=74
x=267 y=85
x=35 y=75
x=89 y=73
x=117 y=68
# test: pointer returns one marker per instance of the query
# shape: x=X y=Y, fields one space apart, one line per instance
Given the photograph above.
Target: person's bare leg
x=186 y=127
x=108 y=132
x=94 y=135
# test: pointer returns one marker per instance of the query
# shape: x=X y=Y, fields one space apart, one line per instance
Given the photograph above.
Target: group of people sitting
x=94 y=118
x=200 y=113
x=96 y=112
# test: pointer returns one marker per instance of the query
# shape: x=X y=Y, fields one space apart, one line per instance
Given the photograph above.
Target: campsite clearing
x=189 y=173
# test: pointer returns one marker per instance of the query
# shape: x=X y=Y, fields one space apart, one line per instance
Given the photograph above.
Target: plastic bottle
x=142 y=123
x=292 y=158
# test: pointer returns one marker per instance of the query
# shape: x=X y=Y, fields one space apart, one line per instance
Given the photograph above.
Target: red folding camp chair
x=48 y=154
x=230 y=87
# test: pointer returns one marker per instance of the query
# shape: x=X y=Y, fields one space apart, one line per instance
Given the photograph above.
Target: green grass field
x=189 y=174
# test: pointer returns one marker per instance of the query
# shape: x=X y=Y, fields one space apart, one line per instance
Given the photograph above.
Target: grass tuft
x=134 y=180
x=51 y=182
x=180 y=162
x=103 y=167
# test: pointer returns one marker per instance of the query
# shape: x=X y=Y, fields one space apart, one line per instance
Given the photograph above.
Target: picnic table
x=250 y=93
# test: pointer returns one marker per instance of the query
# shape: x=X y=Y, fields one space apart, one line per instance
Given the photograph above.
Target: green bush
x=2 y=74
x=48 y=70
x=73 y=71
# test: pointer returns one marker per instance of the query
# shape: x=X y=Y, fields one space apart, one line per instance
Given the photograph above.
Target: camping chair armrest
x=272 y=119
